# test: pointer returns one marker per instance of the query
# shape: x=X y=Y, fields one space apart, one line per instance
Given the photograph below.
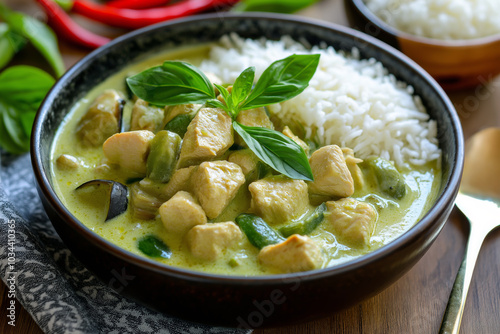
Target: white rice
x=440 y=19
x=349 y=102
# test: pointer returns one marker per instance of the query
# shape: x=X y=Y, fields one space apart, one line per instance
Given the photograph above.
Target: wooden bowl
x=242 y=301
x=454 y=64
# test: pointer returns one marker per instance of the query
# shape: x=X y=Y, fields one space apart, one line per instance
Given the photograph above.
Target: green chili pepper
x=307 y=225
x=389 y=180
x=258 y=232
x=179 y=124
x=165 y=149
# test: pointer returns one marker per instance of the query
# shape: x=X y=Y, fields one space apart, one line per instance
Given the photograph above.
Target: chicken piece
x=101 y=120
x=352 y=164
x=129 y=150
x=207 y=242
x=144 y=204
x=146 y=117
x=278 y=199
x=181 y=109
x=297 y=253
x=331 y=175
x=252 y=117
x=215 y=184
x=180 y=180
x=208 y=136
x=180 y=213
x=255 y=117
x=246 y=159
x=351 y=220
x=287 y=132
x=67 y=162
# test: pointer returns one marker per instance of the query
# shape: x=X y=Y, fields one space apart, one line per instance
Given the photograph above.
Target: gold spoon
x=479 y=201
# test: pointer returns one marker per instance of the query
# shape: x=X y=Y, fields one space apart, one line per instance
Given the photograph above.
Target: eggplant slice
x=118 y=196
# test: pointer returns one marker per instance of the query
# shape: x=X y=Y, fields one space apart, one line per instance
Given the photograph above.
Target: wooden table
x=413 y=305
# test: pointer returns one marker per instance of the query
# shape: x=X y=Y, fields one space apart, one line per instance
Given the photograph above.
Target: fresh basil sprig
x=177 y=82
x=22 y=89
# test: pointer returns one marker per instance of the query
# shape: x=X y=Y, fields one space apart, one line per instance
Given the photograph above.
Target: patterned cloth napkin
x=61 y=295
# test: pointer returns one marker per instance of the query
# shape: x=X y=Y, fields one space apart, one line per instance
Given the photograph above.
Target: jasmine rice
x=349 y=102
x=440 y=19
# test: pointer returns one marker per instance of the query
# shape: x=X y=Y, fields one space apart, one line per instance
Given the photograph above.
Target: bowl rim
x=395 y=32
x=424 y=223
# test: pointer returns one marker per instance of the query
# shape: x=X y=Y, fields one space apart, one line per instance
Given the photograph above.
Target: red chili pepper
x=137 y=4
x=65 y=27
x=138 y=18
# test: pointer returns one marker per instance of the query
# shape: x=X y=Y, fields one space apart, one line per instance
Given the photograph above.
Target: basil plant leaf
x=154 y=247
x=5 y=45
x=276 y=6
x=16 y=41
x=276 y=150
x=10 y=44
x=13 y=137
x=214 y=103
x=38 y=33
x=174 y=82
x=282 y=80
x=26 y=119
x=24 y=87
x=242 y=86
x=226 y=96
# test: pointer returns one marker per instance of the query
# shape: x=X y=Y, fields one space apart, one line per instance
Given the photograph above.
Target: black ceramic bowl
x=244 y=301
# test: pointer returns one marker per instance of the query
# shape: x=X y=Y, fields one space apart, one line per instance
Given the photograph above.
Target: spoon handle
x=455 y=308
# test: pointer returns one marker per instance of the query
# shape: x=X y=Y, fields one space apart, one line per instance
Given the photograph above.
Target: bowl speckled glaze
x=454 y=64
x=243 y=301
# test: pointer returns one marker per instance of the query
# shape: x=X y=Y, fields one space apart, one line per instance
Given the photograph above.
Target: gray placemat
x=61 y=295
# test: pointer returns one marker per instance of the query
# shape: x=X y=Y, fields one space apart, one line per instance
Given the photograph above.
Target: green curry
x=183 y=186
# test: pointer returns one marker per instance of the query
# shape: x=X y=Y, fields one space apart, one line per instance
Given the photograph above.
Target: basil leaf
x=175 y=82
x=24 y=87
x=26 y=119
x=7 y=49
x=282 y=80
x=16 y=41
x=217 y=104
x=39 y=34
x=225 y=94
x=277 y=6
x=10 y=44
x=242 y=86
x=277 y=150
x=12 y=133
x=154 y=247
